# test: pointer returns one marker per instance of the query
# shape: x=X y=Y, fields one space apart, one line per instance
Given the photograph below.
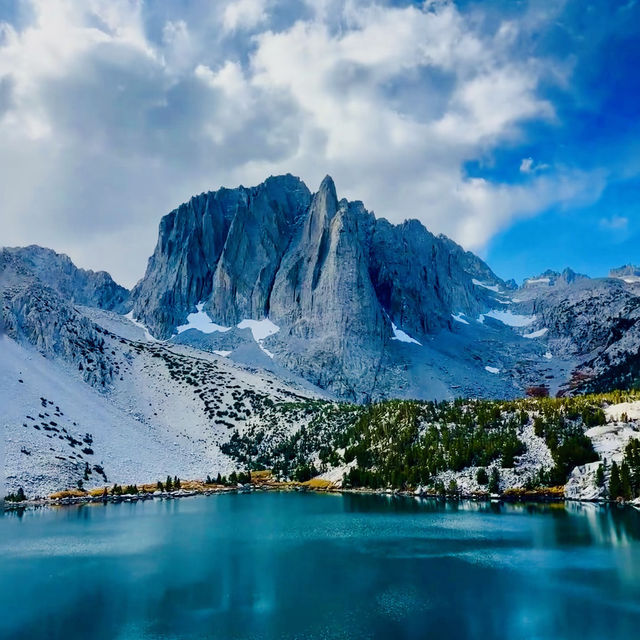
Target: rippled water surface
x=282 y=565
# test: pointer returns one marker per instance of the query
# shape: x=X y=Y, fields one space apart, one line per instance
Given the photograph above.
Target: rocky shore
x=73 y=497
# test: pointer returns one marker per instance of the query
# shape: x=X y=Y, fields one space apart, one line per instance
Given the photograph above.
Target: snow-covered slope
x=166 y=411
x=54 y=425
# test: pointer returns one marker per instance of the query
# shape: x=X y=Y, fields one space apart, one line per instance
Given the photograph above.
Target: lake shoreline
x=510 y=496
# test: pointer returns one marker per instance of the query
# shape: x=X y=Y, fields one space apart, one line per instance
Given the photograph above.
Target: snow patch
x=538 y=281
x=261 y=330
x=147 y=335
x=548 y=355
x=491 y=287
x=631 y=409
x=536 y=334
x=401 y=336
x=511 y=319
x=609 y=440
x=459 y=317
x=492 y=369
x=200 y=321
x=224 y=354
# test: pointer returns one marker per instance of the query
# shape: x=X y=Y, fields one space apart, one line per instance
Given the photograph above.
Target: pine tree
x=160 y=486
x=625 y=481
x=219 y=479
x=615 y=486
x=481 y=477
x=600 y=476
x=168 y=484
x=494 y=481
x=176 y=483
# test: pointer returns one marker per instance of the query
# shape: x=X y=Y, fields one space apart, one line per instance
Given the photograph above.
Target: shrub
x=481 y=477
x=18 y=496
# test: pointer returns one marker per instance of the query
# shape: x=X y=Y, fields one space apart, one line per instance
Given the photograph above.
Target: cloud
x=615 y=223
x=244 y=14
x=528 y=166
x=112 y=113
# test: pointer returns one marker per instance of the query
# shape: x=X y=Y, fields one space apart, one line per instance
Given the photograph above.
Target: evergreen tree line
x=408 y=443
x=235 y=477
x=17 y=496
x=624 y=479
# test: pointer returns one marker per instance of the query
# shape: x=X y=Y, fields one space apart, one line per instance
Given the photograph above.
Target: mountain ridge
x=271 y=307
x=356 y=305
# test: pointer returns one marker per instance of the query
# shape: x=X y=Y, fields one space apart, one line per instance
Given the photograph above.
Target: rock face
x=221 y=247
x=39 y=291
x=333 y=327
x=421 y=279
x=331 y=276
x=38 y=316
x=630 y=273
x=55 y=270
x=595 y=323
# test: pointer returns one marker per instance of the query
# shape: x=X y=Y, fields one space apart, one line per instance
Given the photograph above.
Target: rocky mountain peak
x=19 y=265
x=628 y=272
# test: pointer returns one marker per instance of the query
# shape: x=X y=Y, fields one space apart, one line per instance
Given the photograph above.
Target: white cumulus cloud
x=111 y=114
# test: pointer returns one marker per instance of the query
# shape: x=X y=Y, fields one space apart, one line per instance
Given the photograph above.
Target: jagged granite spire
x=331 y=276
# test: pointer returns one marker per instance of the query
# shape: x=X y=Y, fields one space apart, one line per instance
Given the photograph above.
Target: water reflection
x=313 y=566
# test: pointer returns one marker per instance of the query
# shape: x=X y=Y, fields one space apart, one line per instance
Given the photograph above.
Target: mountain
x=629 y=273
x=55 y=270
x=262 y=311
x=341 y=287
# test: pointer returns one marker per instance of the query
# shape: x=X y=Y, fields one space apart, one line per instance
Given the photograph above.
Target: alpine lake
x=319 y=566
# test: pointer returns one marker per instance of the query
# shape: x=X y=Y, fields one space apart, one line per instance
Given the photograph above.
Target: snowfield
x=491 y=287
x=200 y=321
x=510 y=319
x=260 y=330
x=536 y=334
x=147 y=336
x=401 y=336
x=37 y=458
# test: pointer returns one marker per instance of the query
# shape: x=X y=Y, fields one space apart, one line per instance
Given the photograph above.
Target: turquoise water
x=308 y=566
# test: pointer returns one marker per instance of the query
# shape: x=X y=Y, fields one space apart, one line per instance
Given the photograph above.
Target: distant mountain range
x=313 y=295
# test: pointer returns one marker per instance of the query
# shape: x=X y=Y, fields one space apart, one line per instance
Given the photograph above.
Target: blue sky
x=511 y=126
